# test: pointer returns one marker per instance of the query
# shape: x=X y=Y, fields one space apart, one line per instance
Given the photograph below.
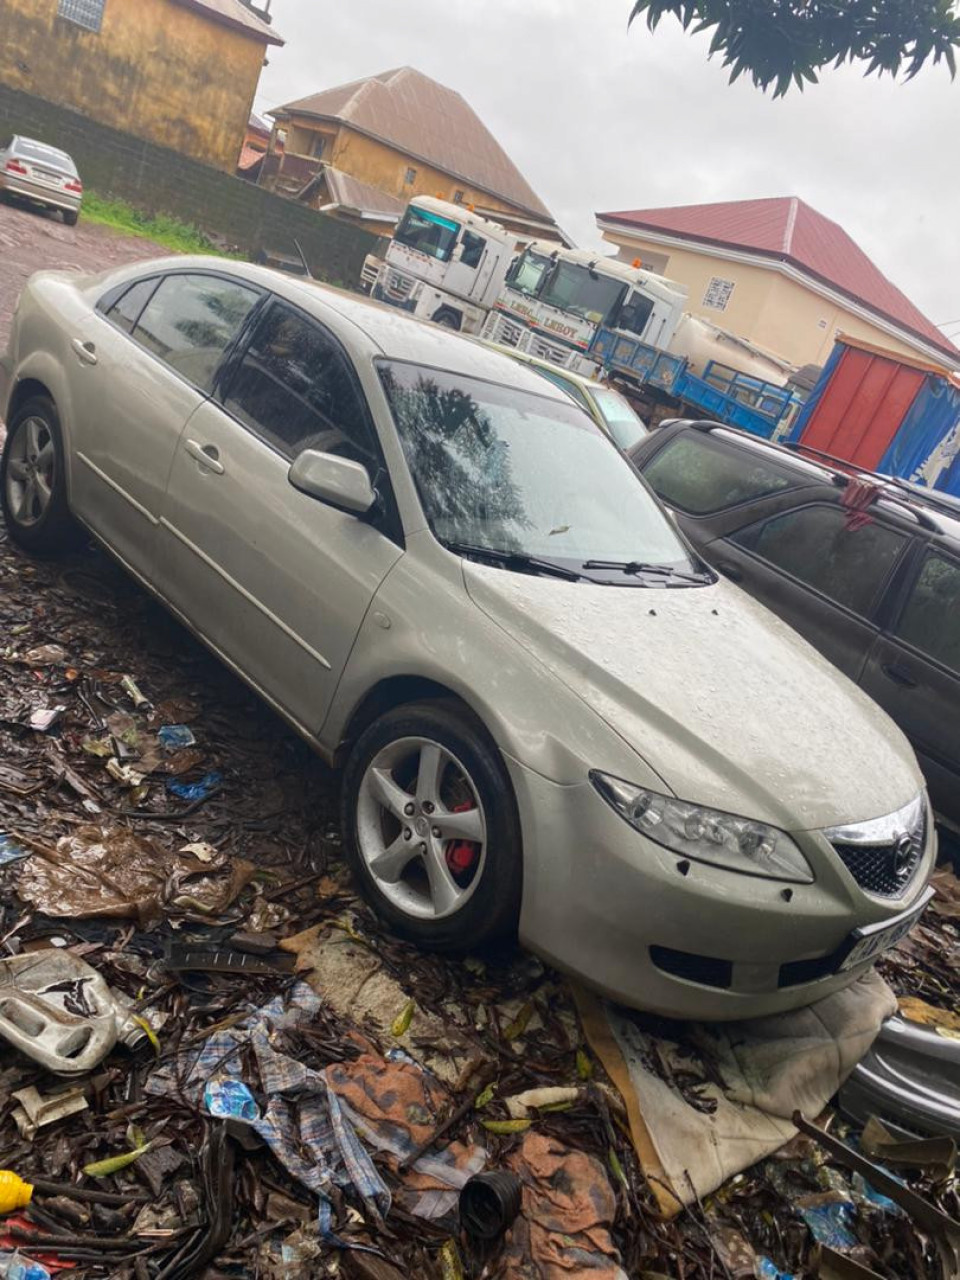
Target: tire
x=447 y=320
x=442 y=892
x=71 y=216
x=42 y=526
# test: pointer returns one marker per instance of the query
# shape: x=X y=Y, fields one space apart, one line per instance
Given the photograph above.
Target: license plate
x=873 y=939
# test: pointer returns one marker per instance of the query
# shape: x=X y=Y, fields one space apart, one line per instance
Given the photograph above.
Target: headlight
x=706 y=835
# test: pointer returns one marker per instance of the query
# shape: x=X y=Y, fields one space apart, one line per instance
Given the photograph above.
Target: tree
x=780 y=42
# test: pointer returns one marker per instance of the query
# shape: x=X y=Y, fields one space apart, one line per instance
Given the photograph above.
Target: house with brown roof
x=180 y=73
x=362 y=150
x=777 y=273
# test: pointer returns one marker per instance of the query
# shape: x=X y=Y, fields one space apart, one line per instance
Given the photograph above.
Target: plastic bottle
x=14 y=1192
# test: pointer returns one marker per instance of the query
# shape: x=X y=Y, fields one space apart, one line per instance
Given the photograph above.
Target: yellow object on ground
x=14 y=1192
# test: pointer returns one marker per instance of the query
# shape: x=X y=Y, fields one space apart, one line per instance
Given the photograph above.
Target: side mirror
x=337 y=481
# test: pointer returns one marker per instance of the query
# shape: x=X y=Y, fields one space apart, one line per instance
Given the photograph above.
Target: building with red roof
x=777 y=273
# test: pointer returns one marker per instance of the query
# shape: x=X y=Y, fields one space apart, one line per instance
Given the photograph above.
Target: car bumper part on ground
x=52 y=197
x=910 y=1080
x=674 y=936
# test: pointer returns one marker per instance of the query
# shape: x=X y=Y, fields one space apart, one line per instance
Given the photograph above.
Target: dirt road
x=34 y=240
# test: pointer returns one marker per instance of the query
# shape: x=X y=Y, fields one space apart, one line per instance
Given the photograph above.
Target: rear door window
x=930 y=620
x=294 y=388
x=822 y=547
x=191 y=320
x=700 y=476
x=125 y=312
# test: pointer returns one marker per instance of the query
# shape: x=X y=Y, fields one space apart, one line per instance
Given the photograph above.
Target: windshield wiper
x=640 y=569
x=513 y=559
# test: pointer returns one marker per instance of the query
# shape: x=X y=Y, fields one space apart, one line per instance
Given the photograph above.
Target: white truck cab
x=445 y=264
x=554 y=301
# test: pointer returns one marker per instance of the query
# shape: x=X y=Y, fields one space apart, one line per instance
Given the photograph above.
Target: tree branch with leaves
x=783 y=42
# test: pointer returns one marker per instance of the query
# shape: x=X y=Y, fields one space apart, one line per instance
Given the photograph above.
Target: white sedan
x=552 y=717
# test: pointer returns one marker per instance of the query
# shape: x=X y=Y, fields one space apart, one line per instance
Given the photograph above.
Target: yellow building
x=777 y=273
x=180 y=73
x=363 y=149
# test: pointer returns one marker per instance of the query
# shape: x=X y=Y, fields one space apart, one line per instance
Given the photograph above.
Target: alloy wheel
x=421 y=828
x=31 y=471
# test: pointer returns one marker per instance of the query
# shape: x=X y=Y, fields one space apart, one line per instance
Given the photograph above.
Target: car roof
x=937 y=512
x=374 y=327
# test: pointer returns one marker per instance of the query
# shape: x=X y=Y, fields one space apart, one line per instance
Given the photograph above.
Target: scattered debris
x=184 y=851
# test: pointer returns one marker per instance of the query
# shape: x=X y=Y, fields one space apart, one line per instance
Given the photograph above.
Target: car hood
x=724 y=701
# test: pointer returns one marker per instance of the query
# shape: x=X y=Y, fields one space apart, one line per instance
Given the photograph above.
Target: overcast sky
x=599 y=117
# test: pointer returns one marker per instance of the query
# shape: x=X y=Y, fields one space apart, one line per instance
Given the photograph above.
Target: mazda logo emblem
x=901 y=856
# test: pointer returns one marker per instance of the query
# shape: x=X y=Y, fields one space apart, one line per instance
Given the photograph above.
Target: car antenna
x=303 y=258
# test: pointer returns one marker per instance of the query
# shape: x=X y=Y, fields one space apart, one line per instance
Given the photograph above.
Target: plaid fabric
x=303 y=1124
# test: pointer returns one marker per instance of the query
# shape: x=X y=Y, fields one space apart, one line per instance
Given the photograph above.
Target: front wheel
x=33 y=481
x=431 y=828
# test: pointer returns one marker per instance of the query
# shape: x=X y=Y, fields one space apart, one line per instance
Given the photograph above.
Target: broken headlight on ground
x=706 y=835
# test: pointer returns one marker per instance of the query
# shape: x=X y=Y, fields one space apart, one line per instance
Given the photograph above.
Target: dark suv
x=865 y=567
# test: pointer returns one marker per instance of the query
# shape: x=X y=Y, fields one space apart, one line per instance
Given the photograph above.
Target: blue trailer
x=722 y=393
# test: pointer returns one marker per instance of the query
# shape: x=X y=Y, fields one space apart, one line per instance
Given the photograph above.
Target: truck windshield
x=529 y=272
x=572 y=288
x=510 y=471
x=428 y=232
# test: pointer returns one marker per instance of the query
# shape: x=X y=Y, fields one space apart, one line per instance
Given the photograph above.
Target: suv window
x=699 y=475
x=125 y=312
x=294 y=389
x=931 y=618
x=819 y=546
x=191 y=320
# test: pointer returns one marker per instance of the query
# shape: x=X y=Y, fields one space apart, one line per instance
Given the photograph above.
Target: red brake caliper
x=461 y=854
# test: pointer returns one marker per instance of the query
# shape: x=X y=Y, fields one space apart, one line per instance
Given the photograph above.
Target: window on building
x=717 y=293
x=701 y=475
x=191 y=320
x=410 y=176
x=931 y=619
x=317 y=144
x=295 y=391
x=458 y=197
x=473 y=247
x=818 y=546
x=85 y=13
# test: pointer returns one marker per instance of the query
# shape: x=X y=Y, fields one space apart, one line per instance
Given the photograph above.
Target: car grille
x=886 y=869
x=397 y=286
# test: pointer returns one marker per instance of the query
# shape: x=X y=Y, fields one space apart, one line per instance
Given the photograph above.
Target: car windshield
x=428 y=232
x=622 y=423
x=506 y=469
x=45 y=155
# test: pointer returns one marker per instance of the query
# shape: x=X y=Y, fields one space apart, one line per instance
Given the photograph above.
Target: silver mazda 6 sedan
x=552 y=718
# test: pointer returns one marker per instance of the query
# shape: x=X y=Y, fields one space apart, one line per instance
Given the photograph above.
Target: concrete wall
x=765 y=307
x=155 y=69
x=158 y=180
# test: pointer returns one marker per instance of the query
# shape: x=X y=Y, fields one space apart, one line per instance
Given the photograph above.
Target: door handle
x=899 y=675
x=85 y=350
x=730 y=570
x=208 y=455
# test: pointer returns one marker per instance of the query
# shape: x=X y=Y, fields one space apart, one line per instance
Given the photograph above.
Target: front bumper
x=609 y=906
x=52 y=197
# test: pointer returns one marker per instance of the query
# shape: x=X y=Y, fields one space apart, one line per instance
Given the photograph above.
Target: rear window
x=45 y=155
x=699 y=475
